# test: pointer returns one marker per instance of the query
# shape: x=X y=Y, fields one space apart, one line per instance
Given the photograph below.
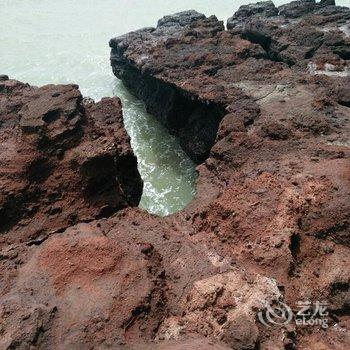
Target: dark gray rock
x=3 y=77
x=327 y=3
x=297 y=9
x=260 y=9
x=181 y=19
x=300 y=30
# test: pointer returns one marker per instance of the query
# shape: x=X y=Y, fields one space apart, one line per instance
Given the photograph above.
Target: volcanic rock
x=62 y=161
x=273 y=192
x=269 y=222
x=303 y=32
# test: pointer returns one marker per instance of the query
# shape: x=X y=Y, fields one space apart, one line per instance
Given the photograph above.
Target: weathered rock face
x=123 y=282
x=187 y=69
x=303 y=33
x=273 y=195
x=270 y=221
x=194 y=121
x=63 y=160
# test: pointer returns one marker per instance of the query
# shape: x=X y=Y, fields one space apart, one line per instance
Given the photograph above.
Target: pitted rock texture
x=122 y=283
x=270 y=220
x=302 y=33
x=63 y=160
x=188 y=67
x=273 y=193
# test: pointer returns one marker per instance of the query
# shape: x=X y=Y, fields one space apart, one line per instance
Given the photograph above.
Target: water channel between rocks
x=47 y=41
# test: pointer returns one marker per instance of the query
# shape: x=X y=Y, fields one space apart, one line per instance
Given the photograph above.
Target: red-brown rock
x=269 y=223
x=273 y=195
x=63 y=160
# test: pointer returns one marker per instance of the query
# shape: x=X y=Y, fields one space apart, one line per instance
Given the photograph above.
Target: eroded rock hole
x=294 y=245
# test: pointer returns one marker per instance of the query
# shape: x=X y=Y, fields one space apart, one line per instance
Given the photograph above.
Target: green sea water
x=66 y=41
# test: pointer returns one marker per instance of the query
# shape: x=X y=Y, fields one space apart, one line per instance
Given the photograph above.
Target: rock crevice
x=63 y=160
x=269 y=222
x=195 y=122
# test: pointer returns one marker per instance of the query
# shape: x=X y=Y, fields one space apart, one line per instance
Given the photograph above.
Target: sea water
x=66 y=41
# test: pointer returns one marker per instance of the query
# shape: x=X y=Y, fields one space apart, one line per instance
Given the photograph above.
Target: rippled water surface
x=66 y=41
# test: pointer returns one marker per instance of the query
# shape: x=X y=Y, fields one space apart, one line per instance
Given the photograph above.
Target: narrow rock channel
x=168 y=173
x=48 y=55
x=257 y=260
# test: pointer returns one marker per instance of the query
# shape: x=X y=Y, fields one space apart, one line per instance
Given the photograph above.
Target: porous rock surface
x=191 y=72
x=273 y=194
x=269 y=127
x=63 y=160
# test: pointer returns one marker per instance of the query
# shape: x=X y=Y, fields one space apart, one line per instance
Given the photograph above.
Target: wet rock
x=165 y=101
